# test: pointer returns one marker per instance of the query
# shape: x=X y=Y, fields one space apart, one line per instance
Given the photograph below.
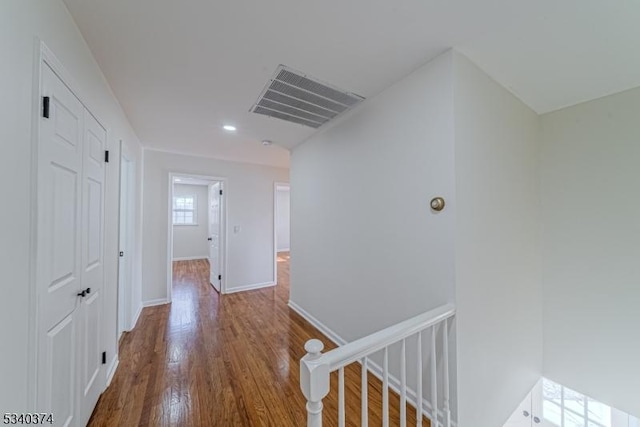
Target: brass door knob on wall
x=437 y=204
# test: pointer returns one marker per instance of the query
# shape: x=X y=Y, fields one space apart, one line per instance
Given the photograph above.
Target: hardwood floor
x=223 y=360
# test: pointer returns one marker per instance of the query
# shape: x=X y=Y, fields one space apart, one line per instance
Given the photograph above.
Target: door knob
x=437 y=204
x=525 y=413
x=536 y=420
x=209 y=238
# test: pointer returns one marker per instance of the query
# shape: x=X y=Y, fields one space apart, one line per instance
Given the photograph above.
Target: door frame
x=43 y=56
x=223 y=228
x=125 y=313
x=277 y=186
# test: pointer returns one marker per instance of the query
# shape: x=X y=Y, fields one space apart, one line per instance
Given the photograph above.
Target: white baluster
x=434 y=379
x=365 y=395
x=315 y=371
x=419 y=382
x=445 y=368
x=341 y=416
x=403 y=384
x=385 y=389
x=314 y=381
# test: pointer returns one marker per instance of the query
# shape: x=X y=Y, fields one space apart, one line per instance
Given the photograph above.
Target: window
x=184 y=210
x=564 y=407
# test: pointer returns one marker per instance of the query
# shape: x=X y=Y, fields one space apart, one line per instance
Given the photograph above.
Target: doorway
x=197 y=225
x=281 y=226
x=126 y=242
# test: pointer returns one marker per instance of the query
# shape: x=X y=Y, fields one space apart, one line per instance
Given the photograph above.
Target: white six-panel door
x=59 y=245
x=215 y=218
x=70 y=209
x=90 y=310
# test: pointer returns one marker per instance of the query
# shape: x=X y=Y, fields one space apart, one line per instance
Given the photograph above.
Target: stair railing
x=316 y=368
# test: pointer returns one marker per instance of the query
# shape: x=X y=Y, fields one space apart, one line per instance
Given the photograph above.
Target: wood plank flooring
x=224 y=360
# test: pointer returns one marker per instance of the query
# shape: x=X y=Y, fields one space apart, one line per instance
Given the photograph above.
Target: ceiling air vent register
x=299 y=98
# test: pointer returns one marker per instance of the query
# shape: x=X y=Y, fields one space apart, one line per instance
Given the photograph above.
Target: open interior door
x=215 y=215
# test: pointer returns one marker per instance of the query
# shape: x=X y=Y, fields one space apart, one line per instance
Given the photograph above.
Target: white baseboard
x=374 y=368
x=154 y=302
x=250 y=287
x=190 y=258
x=112 y=369
x=136 y=316
x=337 y=339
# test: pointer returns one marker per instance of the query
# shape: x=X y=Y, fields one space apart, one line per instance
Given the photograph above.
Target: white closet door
x=59 y=243
x=90 y=310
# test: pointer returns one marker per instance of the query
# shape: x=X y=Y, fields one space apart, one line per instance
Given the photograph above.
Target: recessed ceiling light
x=229 y=128
x=266 y=142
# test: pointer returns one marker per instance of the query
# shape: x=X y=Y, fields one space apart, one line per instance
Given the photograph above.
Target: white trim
x=224 y=263
x=136 y=316
x=276 y=187
x=250 y=287
x=373 y=367
x=33 y=318
x=154 y=302
x=112 y=369
x=129 y=246
x=329 y=333
x=190 y=258
x=284 y=250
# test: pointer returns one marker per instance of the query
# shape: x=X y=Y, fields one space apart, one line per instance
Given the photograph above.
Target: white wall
x=249 y=198
x=21 y=21
x=283 y=219
x=498 y=289
x=368 y=250
x=591 y=236
x=190 y=241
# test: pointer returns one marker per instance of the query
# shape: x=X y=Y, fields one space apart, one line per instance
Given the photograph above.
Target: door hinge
x=104 y=357
x=106 y=156
x=219 y=276
x=221 y=192
x=45 y=107
x=121 y=253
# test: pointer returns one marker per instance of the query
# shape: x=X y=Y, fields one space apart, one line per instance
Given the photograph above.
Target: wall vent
x=299 y=98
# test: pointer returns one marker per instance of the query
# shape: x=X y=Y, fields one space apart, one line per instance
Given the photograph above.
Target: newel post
x=314 y=381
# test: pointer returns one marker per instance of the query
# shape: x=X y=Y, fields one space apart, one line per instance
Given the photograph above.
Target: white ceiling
x=182 y=69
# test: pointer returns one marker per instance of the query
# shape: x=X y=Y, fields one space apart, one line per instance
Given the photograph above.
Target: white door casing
x=125 y=244
x=215 y=222
x=122 y=267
